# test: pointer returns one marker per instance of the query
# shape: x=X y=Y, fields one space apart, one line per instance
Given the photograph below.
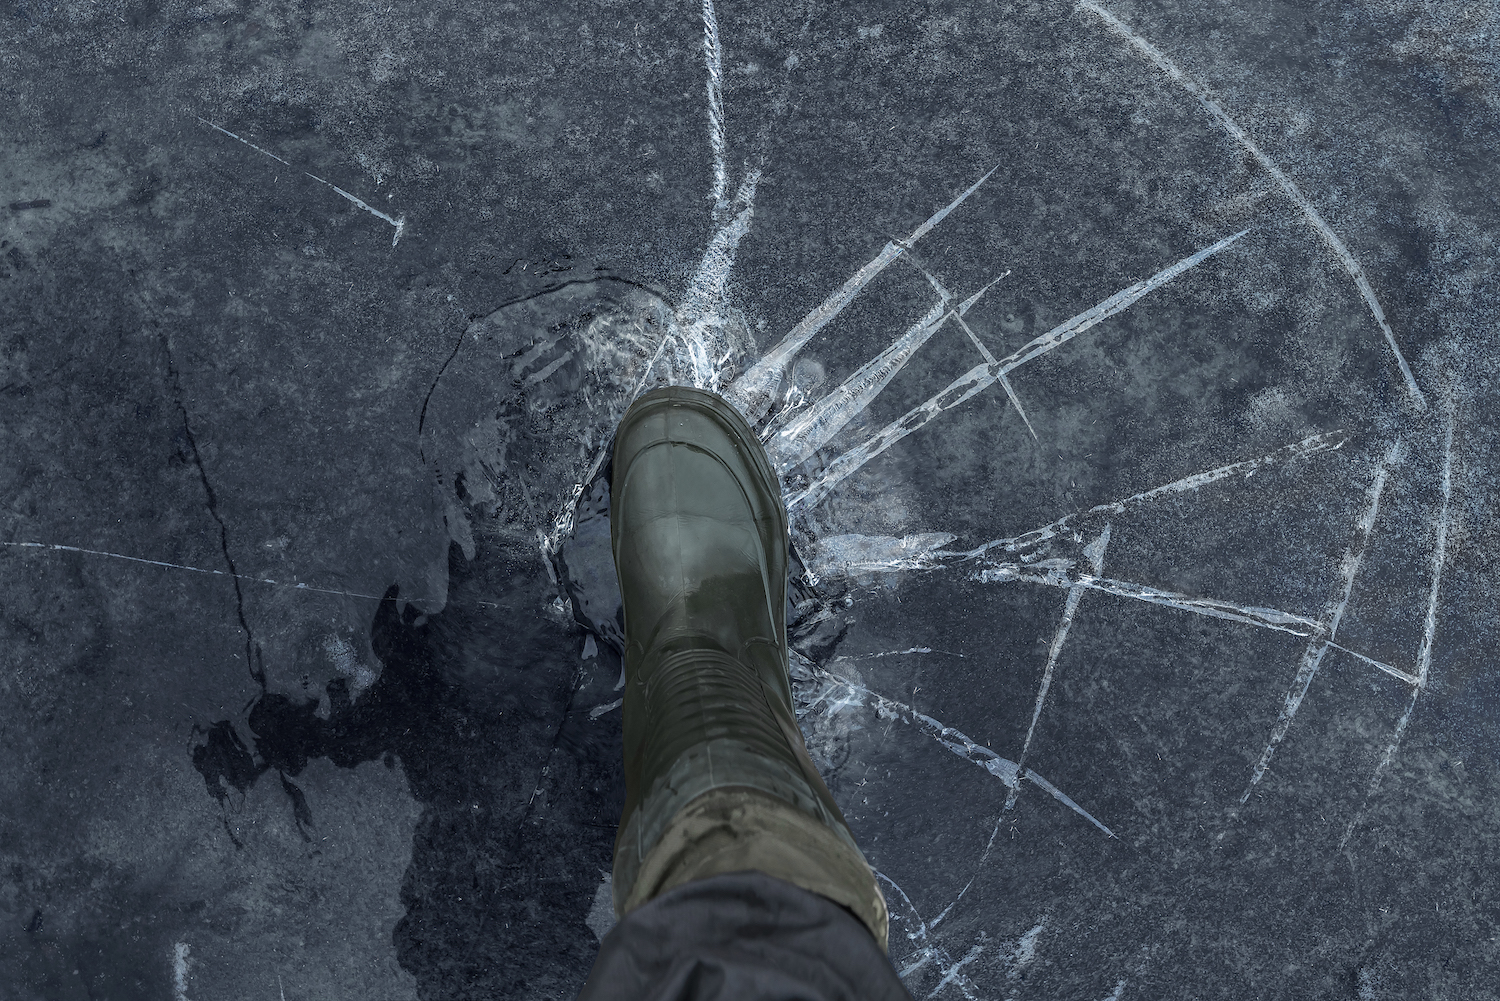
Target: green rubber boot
x=717 y=777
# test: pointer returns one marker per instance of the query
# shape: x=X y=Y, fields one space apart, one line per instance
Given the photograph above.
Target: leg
x=718 y=780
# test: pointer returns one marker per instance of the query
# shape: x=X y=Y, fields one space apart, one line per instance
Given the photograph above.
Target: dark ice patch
x=224 y=761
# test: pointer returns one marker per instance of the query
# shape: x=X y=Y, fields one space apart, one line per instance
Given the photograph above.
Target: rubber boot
x=717 y=776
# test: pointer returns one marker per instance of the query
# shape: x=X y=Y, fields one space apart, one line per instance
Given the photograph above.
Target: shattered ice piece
x=605 y=709
x=801 y=669
x=590 y=648
x=1005 y=770
x=847 y=555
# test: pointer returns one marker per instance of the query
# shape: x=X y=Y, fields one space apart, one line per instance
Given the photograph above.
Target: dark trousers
x=744 y=936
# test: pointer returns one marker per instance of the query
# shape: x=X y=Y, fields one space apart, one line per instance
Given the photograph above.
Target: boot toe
x=697 y=521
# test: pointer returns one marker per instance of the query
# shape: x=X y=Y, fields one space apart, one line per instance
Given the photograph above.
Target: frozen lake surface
x=1129 y=368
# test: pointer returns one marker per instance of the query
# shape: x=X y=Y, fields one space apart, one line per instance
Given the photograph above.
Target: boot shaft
x=715 y=767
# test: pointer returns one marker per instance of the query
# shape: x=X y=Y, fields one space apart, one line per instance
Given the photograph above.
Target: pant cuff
x=738 y=829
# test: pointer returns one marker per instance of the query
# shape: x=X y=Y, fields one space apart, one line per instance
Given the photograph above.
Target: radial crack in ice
x=1328 y=627
x=1004 y=382
x=841 y=659
x=1024 y=954
x=701 y=327
x=910 y=257
x=981 y=377
x=850 y=555
x=811 y=429
x=400 y=223
x=701 y=348
x=1094 y=552
x=952 y=973
x=1394 y=672
x=755 y=391
x=1429 y=631
x=843 y=555
x=713 y=58
x=924 y=956
x=1060 y=573
x=930 y=951
x=840 y=692
x=291 y=584
x=247 y=142
x=1329 y=441
x=1314 y=219
x=1439 y=558
x=181 y=965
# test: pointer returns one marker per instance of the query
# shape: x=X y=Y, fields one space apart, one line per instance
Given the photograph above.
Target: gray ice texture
x=1125 y=364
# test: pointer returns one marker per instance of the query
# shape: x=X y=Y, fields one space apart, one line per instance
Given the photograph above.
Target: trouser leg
x=741 y=936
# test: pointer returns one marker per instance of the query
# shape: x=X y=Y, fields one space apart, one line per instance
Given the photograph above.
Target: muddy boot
x=717 y=777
